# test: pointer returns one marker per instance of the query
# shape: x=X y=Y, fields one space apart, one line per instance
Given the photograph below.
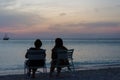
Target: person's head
x=38 y=43
x=58 y=42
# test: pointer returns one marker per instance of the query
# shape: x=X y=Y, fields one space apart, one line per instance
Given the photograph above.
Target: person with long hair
x=58 y=46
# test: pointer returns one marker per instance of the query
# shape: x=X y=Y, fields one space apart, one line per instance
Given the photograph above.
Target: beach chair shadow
x=65 y=55
x=35 y=55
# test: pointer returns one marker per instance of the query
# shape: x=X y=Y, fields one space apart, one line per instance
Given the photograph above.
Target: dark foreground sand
x=99 y=74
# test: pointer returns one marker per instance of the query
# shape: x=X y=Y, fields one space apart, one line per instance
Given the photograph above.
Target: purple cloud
x=86 y=25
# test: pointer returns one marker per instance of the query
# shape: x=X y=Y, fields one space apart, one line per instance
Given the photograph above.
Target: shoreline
x=77 y=68
x=96 y=74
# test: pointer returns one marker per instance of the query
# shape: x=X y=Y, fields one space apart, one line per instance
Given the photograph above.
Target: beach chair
x=65 y=55
x=35 y=55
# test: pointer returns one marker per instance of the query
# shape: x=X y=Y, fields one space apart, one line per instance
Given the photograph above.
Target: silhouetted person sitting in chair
x=37 y=45
x=58 y=46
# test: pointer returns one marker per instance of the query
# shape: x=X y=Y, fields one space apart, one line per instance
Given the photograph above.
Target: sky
x=60 y=18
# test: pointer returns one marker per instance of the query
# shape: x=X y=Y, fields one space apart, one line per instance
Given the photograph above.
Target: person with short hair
x=37 y=45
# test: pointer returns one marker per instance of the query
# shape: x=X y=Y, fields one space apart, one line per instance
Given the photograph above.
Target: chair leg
x=26 y=73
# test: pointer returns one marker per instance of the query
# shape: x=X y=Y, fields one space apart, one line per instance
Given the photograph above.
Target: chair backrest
x=65 y=54
x=36 y=54
x=62 y=54
x=70 y=53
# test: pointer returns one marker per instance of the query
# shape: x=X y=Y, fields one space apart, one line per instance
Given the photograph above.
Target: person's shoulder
x=43 y=49
x=64 y=48
x=32 y=48
x=55 y=48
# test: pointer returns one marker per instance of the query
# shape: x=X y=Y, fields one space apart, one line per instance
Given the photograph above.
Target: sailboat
x=6 y=37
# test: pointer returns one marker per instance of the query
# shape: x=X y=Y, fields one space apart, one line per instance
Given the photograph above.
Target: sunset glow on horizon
x=60 y=18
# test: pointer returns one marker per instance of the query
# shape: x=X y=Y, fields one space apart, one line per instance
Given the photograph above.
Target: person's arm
x=54 y=55
x=26 y=55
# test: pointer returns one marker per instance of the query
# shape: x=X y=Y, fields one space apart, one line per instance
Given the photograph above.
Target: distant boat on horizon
x=6 y=37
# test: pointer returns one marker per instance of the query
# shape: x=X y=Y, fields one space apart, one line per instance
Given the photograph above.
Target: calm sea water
x=88 y=53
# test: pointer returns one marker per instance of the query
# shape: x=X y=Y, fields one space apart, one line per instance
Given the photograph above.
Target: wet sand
x=97 y=74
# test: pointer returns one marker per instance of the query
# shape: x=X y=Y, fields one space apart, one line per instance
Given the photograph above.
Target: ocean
x=88 y=53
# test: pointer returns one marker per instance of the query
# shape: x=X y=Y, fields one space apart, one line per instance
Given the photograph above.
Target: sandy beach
x=98 y=74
